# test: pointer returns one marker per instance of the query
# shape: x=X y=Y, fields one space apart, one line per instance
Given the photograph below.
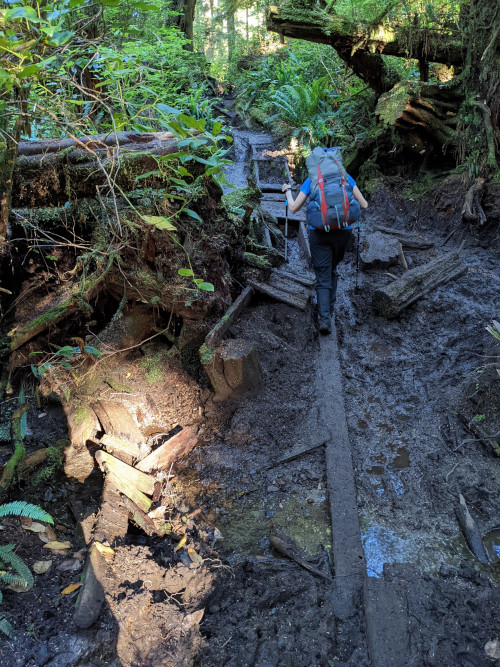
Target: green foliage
x=53 y=464
x=22 y=508
x=13 y=570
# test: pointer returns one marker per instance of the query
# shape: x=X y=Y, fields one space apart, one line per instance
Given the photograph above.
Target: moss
x=153 y=367
x=118 y=386
x=258 y=115
x=256 y=261
x=206 y=354
x=80 y=415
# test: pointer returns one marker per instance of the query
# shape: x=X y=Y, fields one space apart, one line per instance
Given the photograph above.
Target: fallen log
x=470 y=531
x=50 y=173
x=175 y=448
x=391 y=300
x=290 y=550
x=407 y=240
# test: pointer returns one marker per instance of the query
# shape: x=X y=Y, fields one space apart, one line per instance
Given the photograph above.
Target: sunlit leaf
x=71 y=588
x=160 y=222
x=207 y=287
x=181 y=543
x=185 y=272
x=217 y=128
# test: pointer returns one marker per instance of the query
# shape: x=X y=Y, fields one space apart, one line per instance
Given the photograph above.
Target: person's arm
x=293 y=206
x=359 y=197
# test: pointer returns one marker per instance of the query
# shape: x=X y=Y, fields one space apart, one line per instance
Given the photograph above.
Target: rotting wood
x=125 y=451
x=34 y=459
x=470 y=531
x=56 y=171
x=140 y=518
x=140 y=480
x=112 y=521
x=290 y=550
x=298 y=301
x=304 y=242
x=391 y=300
x=217 y=333
x=127 y=488
x=488 y=442
x=175 y=448
x=282 y=282
x=413 y=241
x=233 y=368
x=117 y=421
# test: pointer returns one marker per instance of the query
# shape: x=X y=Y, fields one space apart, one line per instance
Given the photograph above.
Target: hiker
x=327 y=249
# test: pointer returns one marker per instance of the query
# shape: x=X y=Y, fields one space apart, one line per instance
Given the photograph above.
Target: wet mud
x=403 y=381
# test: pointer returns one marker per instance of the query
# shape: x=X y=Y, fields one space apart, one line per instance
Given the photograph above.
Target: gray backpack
x=332 y=205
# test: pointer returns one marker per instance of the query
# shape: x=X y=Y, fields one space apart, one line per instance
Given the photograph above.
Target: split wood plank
x=175 y=448
x=407 y=240
x=140 y=518
x=302 y=279
x=116 y=420
x=230 y=316
x=127 y=488
x=298 y=301
x=121 y=449
x=141 y=481
x=304 y=242
x=416 y=283
x=112 y=521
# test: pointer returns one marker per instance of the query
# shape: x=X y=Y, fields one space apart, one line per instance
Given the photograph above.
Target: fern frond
x=22 y=508
x=8 y=556
x=6 y=627
x=7 y=578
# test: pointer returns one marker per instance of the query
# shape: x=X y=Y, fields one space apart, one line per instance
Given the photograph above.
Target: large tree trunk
x=463 y=113
x=52 y=172
x=185 y=19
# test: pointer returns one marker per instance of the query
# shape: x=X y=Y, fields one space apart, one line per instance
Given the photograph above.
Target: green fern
x=23 y=577
x=6 y=627
x=54 y=462
x=22 y=508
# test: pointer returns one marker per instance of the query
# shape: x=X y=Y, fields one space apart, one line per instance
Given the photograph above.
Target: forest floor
x=403 y=380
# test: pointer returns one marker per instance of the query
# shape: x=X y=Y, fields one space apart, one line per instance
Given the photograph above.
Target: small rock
x=272 y=489
x=492 y=649
x=380 y=251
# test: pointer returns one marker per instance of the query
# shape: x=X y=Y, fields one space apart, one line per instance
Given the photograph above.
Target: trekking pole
x=286 y=228
x=357 y=256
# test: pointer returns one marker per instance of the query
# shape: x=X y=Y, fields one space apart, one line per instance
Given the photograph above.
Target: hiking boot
x=325 y=323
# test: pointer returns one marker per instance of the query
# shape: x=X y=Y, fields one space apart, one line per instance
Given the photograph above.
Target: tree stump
x=233 y=368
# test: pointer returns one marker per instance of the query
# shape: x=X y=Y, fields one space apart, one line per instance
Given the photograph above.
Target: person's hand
x=285 y=187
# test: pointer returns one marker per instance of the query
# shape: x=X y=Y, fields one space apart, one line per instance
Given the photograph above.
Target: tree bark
x=185 y=19
x=52 y=172
x=393 y=299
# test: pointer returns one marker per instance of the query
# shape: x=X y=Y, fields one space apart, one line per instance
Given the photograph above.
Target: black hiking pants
x=327 y=251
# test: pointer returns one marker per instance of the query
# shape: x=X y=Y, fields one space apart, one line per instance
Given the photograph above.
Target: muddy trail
x=321 y=512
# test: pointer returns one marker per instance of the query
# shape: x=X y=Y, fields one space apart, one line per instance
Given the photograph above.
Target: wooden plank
x=172 y=450
x=141 y=481
x=302 y=279
x=304 y=242
x=289 y=286
x=296 y=301
x=230 y=316
x=112 y=521
x=121 y=449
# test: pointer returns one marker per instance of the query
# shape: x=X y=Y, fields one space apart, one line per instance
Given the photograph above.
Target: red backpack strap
x=321 y=185
x=345 y=203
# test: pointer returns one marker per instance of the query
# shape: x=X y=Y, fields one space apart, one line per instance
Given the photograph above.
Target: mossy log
x=50 y=173
x=398 y=295
x=360 y=47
